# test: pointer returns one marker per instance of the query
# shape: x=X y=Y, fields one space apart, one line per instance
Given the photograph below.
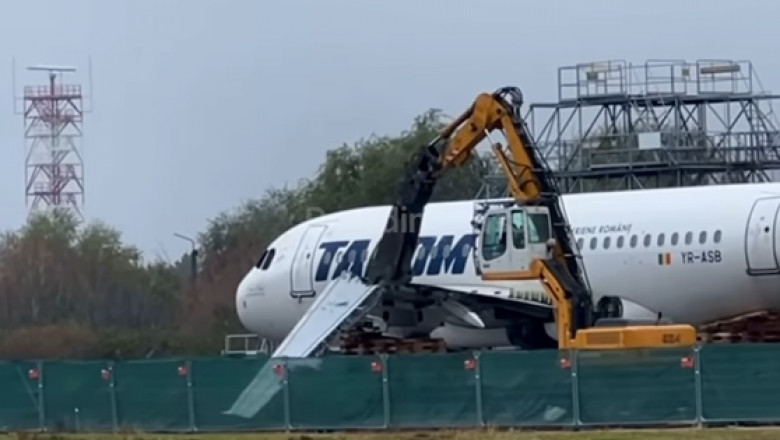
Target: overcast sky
x=199 y=105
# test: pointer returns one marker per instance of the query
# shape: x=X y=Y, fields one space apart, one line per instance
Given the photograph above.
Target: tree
x=61 y=282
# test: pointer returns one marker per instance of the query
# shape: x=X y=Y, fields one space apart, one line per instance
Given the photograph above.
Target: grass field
x=645 y=434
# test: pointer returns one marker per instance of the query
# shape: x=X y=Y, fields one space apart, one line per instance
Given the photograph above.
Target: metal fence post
x=286 y=388
x=478 y=385
x=385 y=390
x=190 y=396
x=112 y=394
x=575 y=386
x=41 y=394
x=697 y=386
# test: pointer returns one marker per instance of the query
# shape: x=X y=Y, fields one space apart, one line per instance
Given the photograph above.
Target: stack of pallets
x=375 y=343
x=761 y=326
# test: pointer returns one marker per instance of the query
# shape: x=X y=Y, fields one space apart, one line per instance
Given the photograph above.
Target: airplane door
x=760 y=247
x=302 y=282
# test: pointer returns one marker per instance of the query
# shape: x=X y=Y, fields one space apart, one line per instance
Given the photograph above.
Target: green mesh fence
x=78 y=396
x=526 y=388
x=492 y=388
x=218 y=384
x=740 y=382
x=339 y=391
x=431 y=390
x=636 y=386
x=152 y=395
x=20 y=405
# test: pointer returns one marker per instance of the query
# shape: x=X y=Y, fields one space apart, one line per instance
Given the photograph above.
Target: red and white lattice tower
x=54 y=168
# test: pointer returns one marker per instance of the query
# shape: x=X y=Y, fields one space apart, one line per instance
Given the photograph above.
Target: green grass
x=645 y=434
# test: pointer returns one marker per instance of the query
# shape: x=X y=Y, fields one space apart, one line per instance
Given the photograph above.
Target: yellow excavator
x=528 y=239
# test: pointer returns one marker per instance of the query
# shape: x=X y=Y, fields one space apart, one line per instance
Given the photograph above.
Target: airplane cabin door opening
x=302 y=275
x=761 y=237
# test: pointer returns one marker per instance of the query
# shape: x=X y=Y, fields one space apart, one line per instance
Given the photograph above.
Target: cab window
x=518 y=229
x=538 y=228
x=494 y=236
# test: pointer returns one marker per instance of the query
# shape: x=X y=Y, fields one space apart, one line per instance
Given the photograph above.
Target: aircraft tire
x=530 y=335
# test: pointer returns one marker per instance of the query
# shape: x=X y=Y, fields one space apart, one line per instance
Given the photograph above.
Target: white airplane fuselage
x=694 y=254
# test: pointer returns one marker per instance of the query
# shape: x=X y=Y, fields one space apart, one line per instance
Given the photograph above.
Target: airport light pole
x=193 y=256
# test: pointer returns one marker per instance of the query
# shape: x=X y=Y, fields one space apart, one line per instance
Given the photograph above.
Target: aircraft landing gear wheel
x=530 y=335
x=609 y=307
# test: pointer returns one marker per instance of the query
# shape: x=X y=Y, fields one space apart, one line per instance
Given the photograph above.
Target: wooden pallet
x=373 y=344
x=738 y=337
x=748 y=322
x=763 y=326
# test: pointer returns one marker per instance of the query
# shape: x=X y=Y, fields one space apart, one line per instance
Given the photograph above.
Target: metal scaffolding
x=661 y=123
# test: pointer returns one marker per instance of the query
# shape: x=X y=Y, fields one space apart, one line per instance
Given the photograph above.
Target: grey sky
x=200 y=105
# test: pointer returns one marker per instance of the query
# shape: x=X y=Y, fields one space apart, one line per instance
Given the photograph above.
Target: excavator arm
x=529 y=181
x=531 y=184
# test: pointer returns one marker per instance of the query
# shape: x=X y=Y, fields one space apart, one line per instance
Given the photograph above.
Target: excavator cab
x=517 y=243
x=510 y=239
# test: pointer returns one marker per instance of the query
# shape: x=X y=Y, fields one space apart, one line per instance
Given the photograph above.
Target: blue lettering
x=452 y=258
x=323 y=268
x=418 y=265
x=353 y=258
x=435 y=257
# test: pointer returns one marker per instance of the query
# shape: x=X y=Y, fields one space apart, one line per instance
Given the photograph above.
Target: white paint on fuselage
x=684 y=292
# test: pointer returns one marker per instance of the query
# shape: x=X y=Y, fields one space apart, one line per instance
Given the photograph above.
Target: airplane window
x=634 y=239
x=326 y=257
x=262 y=257
x=579 y=243
x=593 y=243
x=606 y=242
x=494 y=236
x=648 y=239
x=661 y=239
x=269 y=259
x=688 y=237
x=716 y=236
x=675 y=237
x=620 y=241
x=702 y=237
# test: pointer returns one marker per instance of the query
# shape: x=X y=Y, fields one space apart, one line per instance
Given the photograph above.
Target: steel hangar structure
x=659 y=123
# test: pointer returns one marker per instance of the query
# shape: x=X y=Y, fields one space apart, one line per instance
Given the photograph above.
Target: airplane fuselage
x=693 y=254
